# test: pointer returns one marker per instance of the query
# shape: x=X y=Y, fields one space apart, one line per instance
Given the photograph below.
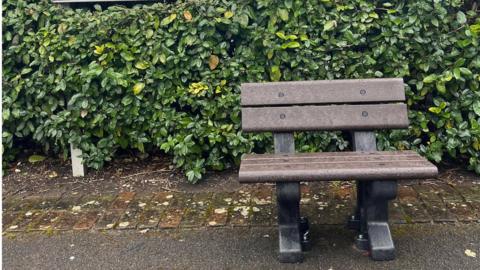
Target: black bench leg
x=374 y=223
x=288 y=200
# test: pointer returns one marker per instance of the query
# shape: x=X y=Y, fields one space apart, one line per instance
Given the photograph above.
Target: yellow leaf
x=99 y=49
x=228 y=14
x=138 y=87
x=35 y=158
x=187 y=15
x=470 y=253
x=168 y=20
x=213 y=61
x=141 y=65
x=435 y=110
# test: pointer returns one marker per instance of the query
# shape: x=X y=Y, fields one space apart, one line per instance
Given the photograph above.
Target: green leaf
x=137 y=88
x=430 y=78
x=461 y=18
x=281 y=35
x=441 y=87
x=290 y=45
x=243 y=20
x=465 y=71
x=149 y=34
x=168 y=20
x=142 y=65
x=35 y=158
x=275 y=73
x=456 y=73
x=476 y=107
x=127 y=56
x=329 y=25
x=283 y=14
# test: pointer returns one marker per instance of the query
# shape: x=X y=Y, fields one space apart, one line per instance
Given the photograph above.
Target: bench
x=357 y=106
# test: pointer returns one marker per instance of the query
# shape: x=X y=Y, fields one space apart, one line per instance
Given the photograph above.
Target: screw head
x=281 y=94
x=282 y=116
x=364 y=113
x=363 y=92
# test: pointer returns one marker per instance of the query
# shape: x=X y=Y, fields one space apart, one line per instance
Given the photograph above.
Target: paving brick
x=335 y=212
x=150 y=218
x=217 y=217
x=407 y=194
x=415 y=212
x=463 y=211
x=109 y=220
x=344 y=191
x=87 y=220
x=439 y=212
x=23 y=221
x=66 y=204
x=167 y=199
x=395 y=213
x=20 y=205
x=428 y=192
x=171 y=218
x=90 y=202
x=311 y=211
x=306 y=194
x=66 y=220
x=8 y=218
x=130 y=218
x=196 y=210
x=240 y=215
x=45 y=221
x=448 y=194
x=469 y=190
x=242 y=197
x=261 y=215
x=262 y=196
x=222 y=199
x=122 y=201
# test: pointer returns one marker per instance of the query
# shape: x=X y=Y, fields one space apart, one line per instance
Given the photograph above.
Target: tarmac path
x=419 y=246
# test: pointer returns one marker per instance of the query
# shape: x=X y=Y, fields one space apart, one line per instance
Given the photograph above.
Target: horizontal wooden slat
x=330 y=159
x=330 y=154
x=333 y=117
x=324 y=166
x=323 y=92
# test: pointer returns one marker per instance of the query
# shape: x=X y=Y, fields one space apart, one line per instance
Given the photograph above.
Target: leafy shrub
x=167 y=75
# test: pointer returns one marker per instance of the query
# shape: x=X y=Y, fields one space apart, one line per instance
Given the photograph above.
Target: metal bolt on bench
x=358 y=106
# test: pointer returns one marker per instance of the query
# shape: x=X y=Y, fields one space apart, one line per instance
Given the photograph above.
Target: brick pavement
x=431 y=201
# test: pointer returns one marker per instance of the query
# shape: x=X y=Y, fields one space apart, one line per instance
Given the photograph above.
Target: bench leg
x=288 y=200
x=378 y=194
x=374 y=230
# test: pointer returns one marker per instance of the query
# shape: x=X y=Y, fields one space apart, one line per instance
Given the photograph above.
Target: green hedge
x=167 y=76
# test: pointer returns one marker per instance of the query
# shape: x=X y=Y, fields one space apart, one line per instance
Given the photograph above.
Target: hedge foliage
x=167 y=75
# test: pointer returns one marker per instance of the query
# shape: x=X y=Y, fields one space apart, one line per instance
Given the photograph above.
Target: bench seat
x=335 y=166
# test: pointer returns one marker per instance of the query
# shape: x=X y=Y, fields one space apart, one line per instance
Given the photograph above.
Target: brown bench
x=358 y=106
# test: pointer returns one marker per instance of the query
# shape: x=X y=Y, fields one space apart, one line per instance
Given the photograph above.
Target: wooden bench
x=358 y=106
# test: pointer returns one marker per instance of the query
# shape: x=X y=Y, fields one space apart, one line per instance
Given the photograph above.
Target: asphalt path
x=424 y=246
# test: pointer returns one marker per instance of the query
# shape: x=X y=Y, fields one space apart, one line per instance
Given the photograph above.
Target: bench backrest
x=364 y=104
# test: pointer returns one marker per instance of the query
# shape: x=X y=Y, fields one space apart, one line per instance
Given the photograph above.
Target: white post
x=78 y=168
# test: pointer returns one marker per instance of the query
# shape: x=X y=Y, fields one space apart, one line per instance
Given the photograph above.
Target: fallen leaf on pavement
x=470 y=253
x=220 y=211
